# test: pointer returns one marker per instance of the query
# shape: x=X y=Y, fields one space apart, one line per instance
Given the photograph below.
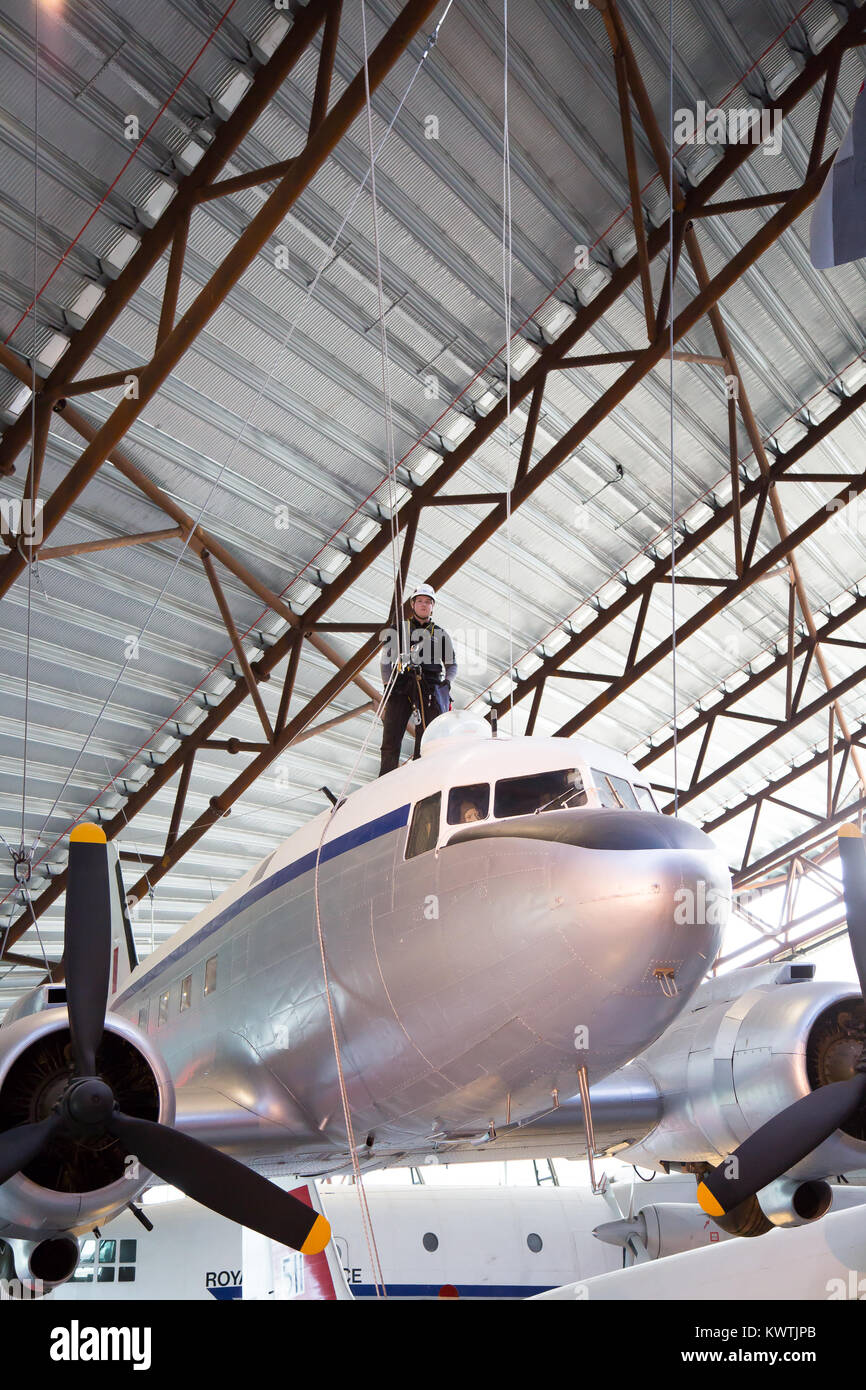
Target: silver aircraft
x=492 y=916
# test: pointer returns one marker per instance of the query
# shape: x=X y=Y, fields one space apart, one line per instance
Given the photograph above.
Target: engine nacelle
x=789 y=1203
x=730 y=1063
x=664 y=1229
x=33 y=1268
x=72 y=1186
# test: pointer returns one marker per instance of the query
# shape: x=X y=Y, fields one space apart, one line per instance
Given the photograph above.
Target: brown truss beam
x=710 y=610
x=783 y=727
x=158 y=238
x=60 y=552
x=231 y=629
x=799 y=843
x=179 y=800
x=622 y=88
x=241 y=255
x=687 y=546
x=199 y=538
x=757 y=443
x=171 y=289
x=755 y=799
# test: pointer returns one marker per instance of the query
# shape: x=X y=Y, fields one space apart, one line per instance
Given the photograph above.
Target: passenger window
x=210 y=975
x=424 y=830
x=646 y=800
x=142 y=1018
x=163 y=1008
x=543 y=791
x=185 y=993
x=614 y=791
x=467 y=804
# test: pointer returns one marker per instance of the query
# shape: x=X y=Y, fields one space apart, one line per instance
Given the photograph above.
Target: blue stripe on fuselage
x=463 y=1290
x=382 y=825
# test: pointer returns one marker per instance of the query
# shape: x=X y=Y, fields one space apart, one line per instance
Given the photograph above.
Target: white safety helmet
x=423 y=591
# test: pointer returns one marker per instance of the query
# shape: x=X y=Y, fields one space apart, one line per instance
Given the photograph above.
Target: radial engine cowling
x=75 y=1183
x=726 y=1068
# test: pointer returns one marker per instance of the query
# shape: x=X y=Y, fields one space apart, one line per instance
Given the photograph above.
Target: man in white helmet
x=423 y=680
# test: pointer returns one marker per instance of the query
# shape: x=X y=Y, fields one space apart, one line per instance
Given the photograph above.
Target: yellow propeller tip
x=88 y=833
x=320 y=1234
x=849 y=831
x=707 y=1201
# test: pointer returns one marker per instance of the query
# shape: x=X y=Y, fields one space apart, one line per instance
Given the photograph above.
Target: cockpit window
x=468 y=803
x=646 y=800
x=614 y=791
x=543 y=791
x=424 y=830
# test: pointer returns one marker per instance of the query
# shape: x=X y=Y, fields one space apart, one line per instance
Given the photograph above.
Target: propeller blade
x=20 y=1146
x=222 y=1183
x=87 y=942
x=852 y=853
x=779 y=1144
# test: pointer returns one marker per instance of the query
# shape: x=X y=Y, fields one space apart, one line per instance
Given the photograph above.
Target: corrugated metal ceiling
x=302 y=425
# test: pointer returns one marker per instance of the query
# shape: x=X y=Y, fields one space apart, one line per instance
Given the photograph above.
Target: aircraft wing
x=818 y=1261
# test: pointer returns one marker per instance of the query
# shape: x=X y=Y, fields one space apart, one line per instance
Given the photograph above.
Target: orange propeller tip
x=319 y=1235
x=707 y=1201
x=87 y=832
x=849 y=831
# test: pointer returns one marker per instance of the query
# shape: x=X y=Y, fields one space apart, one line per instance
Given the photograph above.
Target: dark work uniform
x=425 y=687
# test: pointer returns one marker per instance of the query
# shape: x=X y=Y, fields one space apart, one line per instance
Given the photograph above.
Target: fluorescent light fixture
x=365 y=530
x=22 y=396
x=270 y=38
x=703 y=160
x=822 y=405
x=303 y=592
x=529 y=664
x=591 y=281
x=188 y=157
x=626 y=250
x=561 y=315
x=457 y=428
x=523 y=355
x=824 y=31
x=83 y=305
x=231 y=93
x=425 y=463
x=855 y=378
x=115 y=258
x=156 y=202
x=789 y=434
x=785 y=75
x=51 y=353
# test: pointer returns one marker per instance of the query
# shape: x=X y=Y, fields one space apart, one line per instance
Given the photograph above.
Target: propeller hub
x=89 y=1103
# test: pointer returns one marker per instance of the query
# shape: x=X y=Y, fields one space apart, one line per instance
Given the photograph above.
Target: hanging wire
x=28 y=555
x=671 y=399
x=366 y=1217
x=506 y=294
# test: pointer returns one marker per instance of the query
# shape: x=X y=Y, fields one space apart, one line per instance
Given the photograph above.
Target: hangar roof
x=272 y=431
